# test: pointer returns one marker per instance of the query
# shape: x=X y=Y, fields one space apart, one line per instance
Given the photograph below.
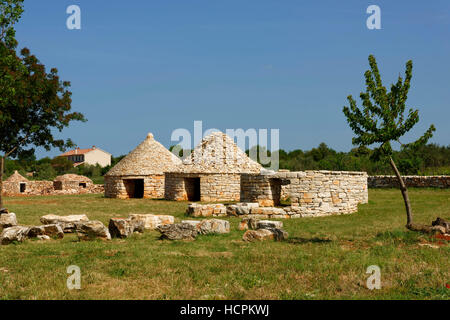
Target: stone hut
x=72 y=181
x=211 y=173
x=16 y=184
x=141 y=173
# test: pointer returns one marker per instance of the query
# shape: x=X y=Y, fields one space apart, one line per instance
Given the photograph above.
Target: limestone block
x=7 y=220
x=91 y=230
x=11 y=234
x=265 y=234
x=152 y=221
x=66 y=222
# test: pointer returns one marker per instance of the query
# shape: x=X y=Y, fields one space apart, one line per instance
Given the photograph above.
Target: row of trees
x=429 y=159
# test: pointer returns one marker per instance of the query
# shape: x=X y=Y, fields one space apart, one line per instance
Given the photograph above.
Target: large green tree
x=381 y=121
x=33 y=103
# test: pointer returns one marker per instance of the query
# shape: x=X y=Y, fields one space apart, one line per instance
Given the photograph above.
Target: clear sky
x=143 y=66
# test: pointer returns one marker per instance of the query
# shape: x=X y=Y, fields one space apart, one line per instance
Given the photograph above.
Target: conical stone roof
x=72 y=177
x=217 y=153
x=16 y=177
x=149 y=158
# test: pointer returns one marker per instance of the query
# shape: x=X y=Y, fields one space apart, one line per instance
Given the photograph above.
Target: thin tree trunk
x=2 y=165
x=404 y=190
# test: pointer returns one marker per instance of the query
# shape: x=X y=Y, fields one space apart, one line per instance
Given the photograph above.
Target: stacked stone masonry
x=125 y=188
x=16 y=184
x=310 y=192
x=141 y=173
x=410 y=181
x=212 y=187
x=212 y=172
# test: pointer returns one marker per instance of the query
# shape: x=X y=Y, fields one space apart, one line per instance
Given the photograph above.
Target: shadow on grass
x=299 y=240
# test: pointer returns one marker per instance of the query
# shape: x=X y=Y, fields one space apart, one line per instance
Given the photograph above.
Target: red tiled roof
x=76 y=152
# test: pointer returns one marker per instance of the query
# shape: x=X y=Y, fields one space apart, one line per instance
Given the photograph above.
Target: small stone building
x=72 y=181
x=141 y=173
x=211 y=173
x=15 y=184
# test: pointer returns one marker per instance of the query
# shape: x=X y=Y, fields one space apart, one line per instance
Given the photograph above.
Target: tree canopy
x=382 y=120
x=33 y=103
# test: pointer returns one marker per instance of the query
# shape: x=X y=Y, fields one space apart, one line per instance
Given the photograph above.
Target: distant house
x=90 y=156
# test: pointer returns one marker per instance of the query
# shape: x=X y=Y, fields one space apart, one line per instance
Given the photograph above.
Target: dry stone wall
x=410 y=181
x=119 y=187
x=310 y=192
x=213 y=187
x=37 y=188
x=28 y=187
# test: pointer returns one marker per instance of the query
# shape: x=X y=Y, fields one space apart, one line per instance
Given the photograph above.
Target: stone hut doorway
x=192 y=186
x=275 y=188
x=23 y=187
x=134 y=188
x=82 y=184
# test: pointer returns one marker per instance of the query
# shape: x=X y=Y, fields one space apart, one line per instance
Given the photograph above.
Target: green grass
x=325 y=258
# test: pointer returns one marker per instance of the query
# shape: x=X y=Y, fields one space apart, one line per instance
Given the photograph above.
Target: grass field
x=325 y=258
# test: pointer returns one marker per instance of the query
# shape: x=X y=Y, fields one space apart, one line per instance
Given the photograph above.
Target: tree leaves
x=381 y=120
x=33 y=103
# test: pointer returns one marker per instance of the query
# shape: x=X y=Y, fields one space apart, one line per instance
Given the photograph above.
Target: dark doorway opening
x=23 y=187
x=192 y=186
x=275 y=187
x=134 y=188
x=82 y=185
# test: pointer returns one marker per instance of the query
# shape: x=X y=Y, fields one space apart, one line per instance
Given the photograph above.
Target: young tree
x=382 y=121
x=33 y=103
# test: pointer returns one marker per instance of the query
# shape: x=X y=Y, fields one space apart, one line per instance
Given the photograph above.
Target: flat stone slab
x=254 y=224
x=66 y=222
x=265 y=234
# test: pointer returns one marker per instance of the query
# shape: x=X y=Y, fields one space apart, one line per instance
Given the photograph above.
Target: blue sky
x=154 y=66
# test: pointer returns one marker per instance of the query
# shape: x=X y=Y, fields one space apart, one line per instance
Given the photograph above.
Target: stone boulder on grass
x=123 y=228
x=67 y=222
x=178 y=231
x=91 y=230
